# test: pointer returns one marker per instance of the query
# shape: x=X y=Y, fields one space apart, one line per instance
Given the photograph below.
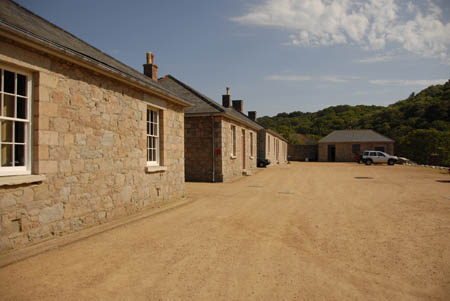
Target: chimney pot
x=252 y=115
x=150 y=58
x=238 y=105
x=150 y=69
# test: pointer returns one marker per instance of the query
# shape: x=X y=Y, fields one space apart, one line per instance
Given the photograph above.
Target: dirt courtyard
x=303 y=231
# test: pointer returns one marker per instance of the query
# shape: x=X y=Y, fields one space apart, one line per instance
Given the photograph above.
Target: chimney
x=238 y=105
x=150 y=69
x=226 y=99
x=252 y=115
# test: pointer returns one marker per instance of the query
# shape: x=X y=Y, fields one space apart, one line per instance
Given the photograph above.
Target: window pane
x=153 y=155
x=155 y=129
x=151 y=130
x=6 y=155
x=148 y=128
x=1 y=81
x=21 y=108
x=19 y=155
x=8 y=82
x=7 y=131
x=8 y=106
x=19 y=132
x=21 y=85
x=148 y=115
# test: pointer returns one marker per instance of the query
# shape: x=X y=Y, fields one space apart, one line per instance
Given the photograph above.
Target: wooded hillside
x=420 y=124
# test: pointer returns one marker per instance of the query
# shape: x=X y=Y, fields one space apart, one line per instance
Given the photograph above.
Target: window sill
x=233 y=157
x=18 y=180
x=152 y=169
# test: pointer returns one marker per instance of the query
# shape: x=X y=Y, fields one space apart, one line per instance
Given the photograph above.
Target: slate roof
x=354 y=136
x=20 y=20
x=202 y=104
x=276 y=135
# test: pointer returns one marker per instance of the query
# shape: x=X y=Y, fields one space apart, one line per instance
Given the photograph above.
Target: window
x=15 y=119
x=268 y=144
x=251 y=144
x=356 y=148
x=153 y=143
x=233 y=140
x=380 y=154
x=379 y=148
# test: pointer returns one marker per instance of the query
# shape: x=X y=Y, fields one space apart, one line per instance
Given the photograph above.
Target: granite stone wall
x=233 y=166
x=301 y=152
x=198 y=148
x=267 y=148
x=89 y=141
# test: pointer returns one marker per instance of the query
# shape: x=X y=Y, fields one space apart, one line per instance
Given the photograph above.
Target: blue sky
x=276 y=55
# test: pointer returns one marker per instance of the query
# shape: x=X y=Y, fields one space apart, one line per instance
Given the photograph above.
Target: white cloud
x=371 y=24
x=327 y=78
x=407 y=82
x=376 y=59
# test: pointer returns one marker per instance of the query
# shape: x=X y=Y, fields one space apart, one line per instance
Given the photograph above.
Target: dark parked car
x=263 y=162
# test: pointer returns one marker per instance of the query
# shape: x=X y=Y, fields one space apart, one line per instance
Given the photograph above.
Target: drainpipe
x=213 y=150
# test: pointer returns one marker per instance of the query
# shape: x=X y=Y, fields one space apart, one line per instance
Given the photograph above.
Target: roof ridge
x=65 y=31
x=77 y=52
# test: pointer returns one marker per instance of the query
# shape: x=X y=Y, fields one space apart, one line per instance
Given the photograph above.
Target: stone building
x=341 y=146
x=272 y=147
x=220 y=141
x=84 y=138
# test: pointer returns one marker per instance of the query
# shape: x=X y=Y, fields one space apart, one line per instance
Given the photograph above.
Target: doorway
x=332 y=153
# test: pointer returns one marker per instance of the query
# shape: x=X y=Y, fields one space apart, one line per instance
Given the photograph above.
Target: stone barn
x=220 y=141
x=343 y=145
x=84 y=138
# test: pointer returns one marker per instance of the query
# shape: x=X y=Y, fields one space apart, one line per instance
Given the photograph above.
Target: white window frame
x=26 y=169
x=233 y=140
x=157 y=146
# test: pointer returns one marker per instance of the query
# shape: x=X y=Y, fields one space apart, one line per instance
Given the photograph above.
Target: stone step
x=247 y=173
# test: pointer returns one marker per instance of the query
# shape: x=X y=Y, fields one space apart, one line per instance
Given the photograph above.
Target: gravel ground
x=303 y=231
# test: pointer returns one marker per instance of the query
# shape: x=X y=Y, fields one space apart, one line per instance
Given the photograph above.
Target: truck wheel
x=391 y=162
x=369 y=162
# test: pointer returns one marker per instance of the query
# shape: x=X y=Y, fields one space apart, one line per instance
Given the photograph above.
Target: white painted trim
x=21 y=170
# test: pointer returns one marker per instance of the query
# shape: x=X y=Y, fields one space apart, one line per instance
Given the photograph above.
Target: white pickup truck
x=370 y=157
